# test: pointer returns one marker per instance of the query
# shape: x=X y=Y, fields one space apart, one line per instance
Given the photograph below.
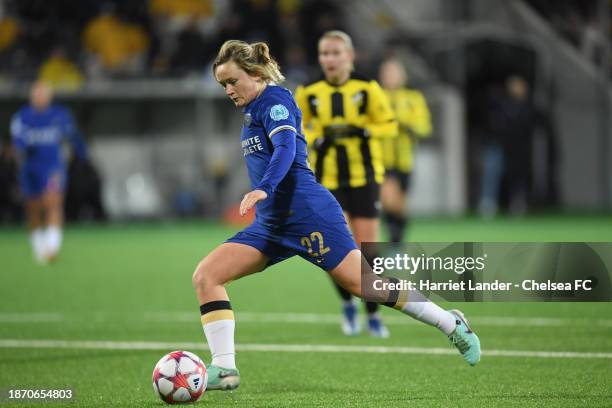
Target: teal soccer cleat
x=220 y=378
x=466 y=341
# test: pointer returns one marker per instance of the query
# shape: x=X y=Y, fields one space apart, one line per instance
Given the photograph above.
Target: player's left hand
x=250 y=199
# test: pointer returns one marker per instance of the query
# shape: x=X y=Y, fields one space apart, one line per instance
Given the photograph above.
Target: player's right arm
x=18 y=137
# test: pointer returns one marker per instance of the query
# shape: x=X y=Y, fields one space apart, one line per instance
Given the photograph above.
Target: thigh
x=322 y=239
x=55 y=182
x=264 y=239
x=355 y=275
x=231 y=261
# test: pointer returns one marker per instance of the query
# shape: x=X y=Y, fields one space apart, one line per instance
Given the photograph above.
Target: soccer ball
x=179 y=377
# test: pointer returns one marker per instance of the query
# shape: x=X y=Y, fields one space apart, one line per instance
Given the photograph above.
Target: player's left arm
x=71 y=132
x=18 y=138
x=419 y=119
x=383 y=123
x=279 y=123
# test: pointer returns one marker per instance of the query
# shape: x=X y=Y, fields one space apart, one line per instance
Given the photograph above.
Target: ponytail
x=254 y=59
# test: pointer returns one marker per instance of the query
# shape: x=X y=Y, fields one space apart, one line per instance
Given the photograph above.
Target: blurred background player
x=345 y=115
x=414 y=120
x=38 y=131
x=509 y=129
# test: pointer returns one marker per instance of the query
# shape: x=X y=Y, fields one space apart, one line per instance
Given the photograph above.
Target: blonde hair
x=341 y=35
x=254 y=59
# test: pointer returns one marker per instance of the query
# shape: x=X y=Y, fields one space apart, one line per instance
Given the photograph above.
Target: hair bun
x=261 y=52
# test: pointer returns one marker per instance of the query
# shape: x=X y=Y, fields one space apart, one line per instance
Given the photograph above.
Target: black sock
x=396 y=225
x=371 y=307
x=344 y=294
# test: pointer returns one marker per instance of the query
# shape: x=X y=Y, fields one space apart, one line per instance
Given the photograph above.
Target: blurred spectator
x=47 y=23
x=115 y=38
x=117 y=47
x=187 y=9
x=192 y=51
x=296 y=71
x=507 y=146
x=289 y=23
x=9 y=36
x=570 y=18
x=60 y=73
x=316 y=18
x=9 y=29
x=260 y=22
x=10 y=200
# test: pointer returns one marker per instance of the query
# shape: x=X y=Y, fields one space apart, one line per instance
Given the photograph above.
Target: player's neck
x=339 y=80
x=261 y=89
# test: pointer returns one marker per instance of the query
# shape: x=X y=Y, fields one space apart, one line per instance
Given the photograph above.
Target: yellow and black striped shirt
x=414 y=119
x=360 y=102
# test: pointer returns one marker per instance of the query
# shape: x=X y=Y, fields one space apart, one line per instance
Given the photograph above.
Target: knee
x=202 y=275
x=354 y=287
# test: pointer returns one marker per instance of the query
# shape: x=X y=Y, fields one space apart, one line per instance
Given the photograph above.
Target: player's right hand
x=250 y=199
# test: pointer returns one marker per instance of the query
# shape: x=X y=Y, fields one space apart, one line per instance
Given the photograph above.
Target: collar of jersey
x=259 y=96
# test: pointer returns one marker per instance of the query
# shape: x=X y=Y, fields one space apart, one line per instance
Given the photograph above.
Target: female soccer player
x=346 y=115
x=38 y=131
x=295 y=214
x=414 y=119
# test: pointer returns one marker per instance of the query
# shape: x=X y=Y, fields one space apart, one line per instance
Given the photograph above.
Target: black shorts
x=359 y=201
x=403 y=178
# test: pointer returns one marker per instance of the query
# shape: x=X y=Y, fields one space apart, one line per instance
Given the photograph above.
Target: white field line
x=305 y=318
x=294 y=348
x=17 y=317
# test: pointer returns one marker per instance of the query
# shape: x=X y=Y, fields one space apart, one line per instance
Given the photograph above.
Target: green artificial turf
x=132 y=283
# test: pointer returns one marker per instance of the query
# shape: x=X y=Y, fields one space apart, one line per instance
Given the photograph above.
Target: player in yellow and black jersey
x=414 y=120
x=345 y=116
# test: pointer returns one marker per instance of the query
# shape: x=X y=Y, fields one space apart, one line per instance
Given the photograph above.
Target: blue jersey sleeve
x=280 y=163
x=71 y=132
x=278 y=114
x=279 y=121
x=17 y=135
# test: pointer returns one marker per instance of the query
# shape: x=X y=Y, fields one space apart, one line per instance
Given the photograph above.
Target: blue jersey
x=274 y=114
x=38 y=137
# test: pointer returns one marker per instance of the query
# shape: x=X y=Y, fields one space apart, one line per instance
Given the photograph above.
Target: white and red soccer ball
x=179 y=377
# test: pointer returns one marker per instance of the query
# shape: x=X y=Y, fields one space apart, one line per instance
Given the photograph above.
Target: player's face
x=239 y=86
x=40 y=96
x=392 y=75
x=336 y=59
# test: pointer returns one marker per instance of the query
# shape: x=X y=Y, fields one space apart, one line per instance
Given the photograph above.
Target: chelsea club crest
x=247 y=119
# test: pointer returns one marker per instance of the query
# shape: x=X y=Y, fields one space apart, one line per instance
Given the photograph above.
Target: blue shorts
x=35 y=182
x=322 y=241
